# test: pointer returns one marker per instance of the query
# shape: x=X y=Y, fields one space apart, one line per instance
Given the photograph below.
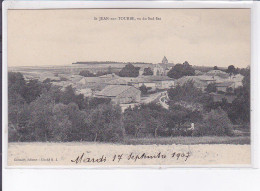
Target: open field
x=241 y=140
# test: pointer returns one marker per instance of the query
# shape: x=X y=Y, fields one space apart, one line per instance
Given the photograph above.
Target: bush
x=187 y=92
x=148 y=72
x=211 y=88
x=216 y=122
x=145 y=120
x=105 y=123
x=180 y=70
x=144 y=90
x=129 y=71
x=13 y=134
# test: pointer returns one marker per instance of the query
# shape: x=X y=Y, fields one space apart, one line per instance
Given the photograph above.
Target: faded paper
x=59 y=44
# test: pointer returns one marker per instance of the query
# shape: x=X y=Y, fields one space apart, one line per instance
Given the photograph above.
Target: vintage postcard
x=128 y=87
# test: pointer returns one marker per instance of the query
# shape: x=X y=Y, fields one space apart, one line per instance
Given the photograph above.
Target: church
x=161 y=69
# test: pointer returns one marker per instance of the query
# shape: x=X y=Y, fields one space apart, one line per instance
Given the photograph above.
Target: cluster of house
x=121 y=90
x=125 y=90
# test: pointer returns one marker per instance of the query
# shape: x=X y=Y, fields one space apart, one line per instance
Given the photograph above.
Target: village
x=126 y=91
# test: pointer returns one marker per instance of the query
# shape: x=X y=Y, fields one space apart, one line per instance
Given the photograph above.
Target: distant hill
x=110 y=62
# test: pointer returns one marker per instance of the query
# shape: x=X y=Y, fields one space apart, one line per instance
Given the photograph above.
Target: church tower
x=164 y=60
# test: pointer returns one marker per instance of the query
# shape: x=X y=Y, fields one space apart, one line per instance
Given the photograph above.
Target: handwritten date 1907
x=117 y=158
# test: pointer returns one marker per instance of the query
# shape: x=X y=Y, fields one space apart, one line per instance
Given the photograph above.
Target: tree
x=80 y=101
x=239 y=112
x=231 y=70
x=244 y=71
x=33 y=89
x=94 y=102
x=144 y=89
x=105 y=123
x=68 y=95
x=148 y=72
x=180 y=70
x=146 y=119
x=80 y=129
x=216 y=122
x=229 y=90
x=215 y=68
x=18 y=118
x=133 y=121
x=30 y=90
x=211 y=88
x=40 y=123
x=62 y=126
x=186 y=92
x=16 y=83
x=178 y=114
x=129 y=71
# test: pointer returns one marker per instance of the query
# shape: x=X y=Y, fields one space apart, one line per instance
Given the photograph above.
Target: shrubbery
x=180 y=70
x=129 y=71
x=50 y=114
x=216 y=122
x=55 y=115
x=144 y=90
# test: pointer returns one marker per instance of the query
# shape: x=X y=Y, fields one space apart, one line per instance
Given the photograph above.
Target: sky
x=203 y=37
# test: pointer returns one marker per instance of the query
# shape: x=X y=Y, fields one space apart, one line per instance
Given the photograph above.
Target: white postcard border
x=130 y=4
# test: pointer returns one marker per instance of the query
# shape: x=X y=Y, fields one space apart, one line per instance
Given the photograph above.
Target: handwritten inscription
x=117 y=158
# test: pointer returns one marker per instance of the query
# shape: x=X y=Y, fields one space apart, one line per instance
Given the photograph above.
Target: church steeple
x=164 y=60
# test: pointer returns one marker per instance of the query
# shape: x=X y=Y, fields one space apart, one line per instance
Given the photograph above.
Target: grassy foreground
x=241 y=140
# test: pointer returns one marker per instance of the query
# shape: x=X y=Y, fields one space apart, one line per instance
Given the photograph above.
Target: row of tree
x=87 y=73
x=176 y=72
x=38 y=111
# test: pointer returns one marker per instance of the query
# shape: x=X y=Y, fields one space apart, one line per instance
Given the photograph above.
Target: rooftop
x=109 y=76
x=224 y=84
x=114 y=90
x=147 y=79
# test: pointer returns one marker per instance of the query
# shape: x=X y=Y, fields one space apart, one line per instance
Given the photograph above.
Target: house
x=143 y=80
x=118 y=81
x=165 y=84
x=207 y=79
x=218 y=73
x=222 y=86
x=120 y=94
x=198 y=83
x=237 y=79
x=94 y=83
x=87 y=92
x=99 y=83
x=162 y=82
x=219 y=97
x=109 y=76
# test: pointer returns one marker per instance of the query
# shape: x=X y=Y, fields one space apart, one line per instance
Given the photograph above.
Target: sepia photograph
x=119 y=87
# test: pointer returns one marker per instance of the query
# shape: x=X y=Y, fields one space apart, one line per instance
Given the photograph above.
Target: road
x=159 y=97
x=151 y=98
x=162 y=100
